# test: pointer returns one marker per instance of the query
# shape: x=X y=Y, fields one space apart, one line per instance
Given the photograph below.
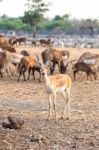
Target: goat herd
x=15 y=41
x=55 y=83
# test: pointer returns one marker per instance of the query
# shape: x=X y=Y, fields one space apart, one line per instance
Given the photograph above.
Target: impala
x=59 y=83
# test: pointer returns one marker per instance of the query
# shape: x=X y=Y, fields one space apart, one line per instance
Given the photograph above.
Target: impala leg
x=50 y=106
x=68 y=103
x=65 y=109
x=54 y=105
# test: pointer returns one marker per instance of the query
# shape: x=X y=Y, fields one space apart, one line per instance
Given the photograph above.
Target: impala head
x=45 y=68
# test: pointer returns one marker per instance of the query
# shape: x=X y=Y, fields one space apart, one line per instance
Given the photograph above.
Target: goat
x=8 y=59
x=7 y=48
x=36 y=68
x=4 y=65
x=21 y=40
x=29 y=63
x=54 y=56
x=12 y=41
x=2 y=60
x=81 y=66
x=25 y=53
x=1 y=35
x=34 y=43
x=92 y=60
x=45 y=42
x=59 y=83
x=4 y=40
x=17 y=40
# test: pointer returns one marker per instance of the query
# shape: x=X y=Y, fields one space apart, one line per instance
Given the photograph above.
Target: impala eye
x=43 y=73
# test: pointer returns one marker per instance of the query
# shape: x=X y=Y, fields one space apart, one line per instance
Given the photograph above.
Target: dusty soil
x=29 y=102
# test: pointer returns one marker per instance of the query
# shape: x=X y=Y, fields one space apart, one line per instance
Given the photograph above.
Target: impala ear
x=1 y=50
x=50 y=64
x=65 y=57
x=42 y=66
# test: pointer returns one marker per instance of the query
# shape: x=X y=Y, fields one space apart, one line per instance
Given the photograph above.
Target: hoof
x=61 y=118
x=66 y=118
x=48 y=119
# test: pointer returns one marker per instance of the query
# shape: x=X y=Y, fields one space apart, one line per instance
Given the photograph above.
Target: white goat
x=10 y=59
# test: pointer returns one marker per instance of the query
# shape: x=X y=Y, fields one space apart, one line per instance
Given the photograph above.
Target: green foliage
x=35 y=12
x=57 y=17
x=13 y=23
x=57 y=22
x=63 y=23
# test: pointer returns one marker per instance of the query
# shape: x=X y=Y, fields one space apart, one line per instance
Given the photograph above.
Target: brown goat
x=12 y=41
x=56 y=57
x=25 y=53
x=7 y=59
x=81 y=66
x=2 y=61
x=1 y=35
x=29 y=63
x=4 y=40
x=8 y=48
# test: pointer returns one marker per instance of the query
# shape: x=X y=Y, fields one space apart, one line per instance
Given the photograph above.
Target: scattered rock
x=12 y=123
x=34 y=139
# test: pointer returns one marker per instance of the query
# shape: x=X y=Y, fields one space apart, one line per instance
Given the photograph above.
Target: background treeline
x=59 y=24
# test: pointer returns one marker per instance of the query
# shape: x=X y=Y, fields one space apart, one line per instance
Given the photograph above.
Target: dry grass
x=29 y=101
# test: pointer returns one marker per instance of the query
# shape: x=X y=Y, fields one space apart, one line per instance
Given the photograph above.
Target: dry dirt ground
x=29 y=102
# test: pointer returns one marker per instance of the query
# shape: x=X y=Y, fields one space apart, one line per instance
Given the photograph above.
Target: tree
x=35 y=13
x=88 y=26
x=66 y=16
x=57 y=17
x=3 y=17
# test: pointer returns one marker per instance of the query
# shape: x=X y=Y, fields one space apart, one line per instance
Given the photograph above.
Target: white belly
x=49 y=88
x=61 y=89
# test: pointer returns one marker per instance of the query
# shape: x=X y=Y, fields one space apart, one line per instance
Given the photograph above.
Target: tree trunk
x=34 y=31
